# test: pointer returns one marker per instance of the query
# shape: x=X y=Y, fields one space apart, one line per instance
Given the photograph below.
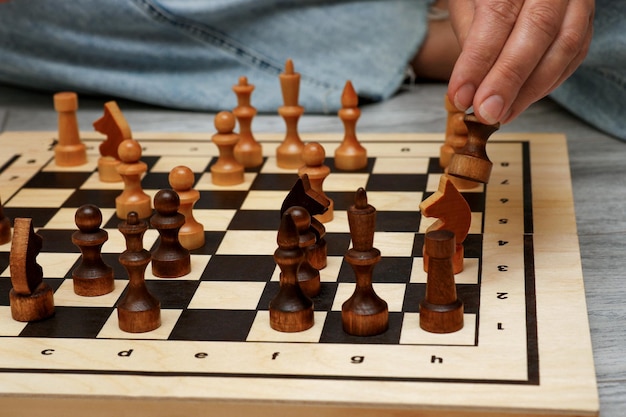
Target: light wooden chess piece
x=191 y=234
x=289 y=152
x=453 y=213
x=116 y=128
x=350 y=155
x=441 y=311
x=313 y=156
x=226 y=170
x=69 y=151
x=247 y=151
x=30 y=297
x=131 y=169
x=471 y=162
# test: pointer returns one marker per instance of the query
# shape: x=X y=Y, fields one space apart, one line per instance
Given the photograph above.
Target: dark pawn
x=291 y=310
x=308 y=276
x=364 y=313
x=138 y=311
x=170 y=259
x=92 y=277
x=440 y=311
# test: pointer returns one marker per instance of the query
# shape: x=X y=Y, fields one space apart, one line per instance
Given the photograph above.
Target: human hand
x=515 y=52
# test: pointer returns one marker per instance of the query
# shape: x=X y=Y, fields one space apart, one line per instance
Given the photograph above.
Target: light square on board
x=395 y=200
x=94 y=183
x=40 y=197
x=401 y=166
x=227 y=295
x=65 y=296
x=394 y=243
x=340 y=181
x=90 y=165
x=214 y=219
x=167 y=163
x=264 y=200
x=55 y=264
x=64 y=218
x=248 y=242
x=111 y=329
x=8 y=326
x=261 y=330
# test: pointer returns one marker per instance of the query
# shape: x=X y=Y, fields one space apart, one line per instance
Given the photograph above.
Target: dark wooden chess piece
x=364 y=313
x=92 y=277
x=440 y=311
x=313 y=156
x=290 y=310
x=170 y=259
x=5 y=227
x=308 y=276
x=138 y=311
x=31 y=298
x=471 y=161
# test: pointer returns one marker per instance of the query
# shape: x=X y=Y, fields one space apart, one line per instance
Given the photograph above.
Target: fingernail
x=464 y=97
x=491 y=109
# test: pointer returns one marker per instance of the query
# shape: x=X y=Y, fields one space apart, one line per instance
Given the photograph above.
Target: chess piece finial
x=471 y=161
x=226 y=170
x=92 y=277
x=440 y=310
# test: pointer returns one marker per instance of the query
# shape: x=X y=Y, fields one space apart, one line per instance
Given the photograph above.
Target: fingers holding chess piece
x=471 y=161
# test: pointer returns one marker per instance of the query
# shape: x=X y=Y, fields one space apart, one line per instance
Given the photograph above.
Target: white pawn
x=191 y=234
x=226 y=170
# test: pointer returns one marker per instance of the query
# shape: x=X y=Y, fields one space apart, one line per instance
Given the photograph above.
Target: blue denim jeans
x=596 y=92
x=188 y=54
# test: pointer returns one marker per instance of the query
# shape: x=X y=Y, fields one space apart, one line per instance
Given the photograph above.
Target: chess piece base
x=470 y=168
x=32 y=307
x=447 y=318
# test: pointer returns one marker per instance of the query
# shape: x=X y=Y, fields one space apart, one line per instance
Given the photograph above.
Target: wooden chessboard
x=525 y=348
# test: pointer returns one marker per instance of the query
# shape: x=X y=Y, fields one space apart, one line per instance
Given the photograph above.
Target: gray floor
x=597 y=166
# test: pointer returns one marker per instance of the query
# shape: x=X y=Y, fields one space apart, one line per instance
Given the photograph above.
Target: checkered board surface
x=216 y=319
